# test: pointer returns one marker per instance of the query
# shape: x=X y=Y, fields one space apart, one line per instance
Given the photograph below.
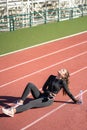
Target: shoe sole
x=11 y=115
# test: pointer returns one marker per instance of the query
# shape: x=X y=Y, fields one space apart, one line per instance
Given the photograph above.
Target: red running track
x=34 y=65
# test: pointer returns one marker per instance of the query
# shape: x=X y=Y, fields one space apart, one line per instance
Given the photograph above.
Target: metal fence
x=17 y=21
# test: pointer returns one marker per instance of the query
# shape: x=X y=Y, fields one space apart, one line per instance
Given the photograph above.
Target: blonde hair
x=65 y=78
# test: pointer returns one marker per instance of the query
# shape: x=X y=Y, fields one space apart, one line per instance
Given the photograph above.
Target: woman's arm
x=68 y=92
x=46 y=84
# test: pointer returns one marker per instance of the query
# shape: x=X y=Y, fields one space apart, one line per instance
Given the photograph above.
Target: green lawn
x=11 y=41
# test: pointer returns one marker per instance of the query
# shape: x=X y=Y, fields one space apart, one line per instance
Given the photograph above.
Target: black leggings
x=39 y=99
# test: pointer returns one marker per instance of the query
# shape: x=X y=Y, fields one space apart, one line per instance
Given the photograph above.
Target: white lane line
x=41 y=44
x=80 y=54
x=8 y=68
x=84 y=68
x=49 y=113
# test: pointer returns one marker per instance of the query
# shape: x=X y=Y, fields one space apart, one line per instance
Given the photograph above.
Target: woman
x=42 y=99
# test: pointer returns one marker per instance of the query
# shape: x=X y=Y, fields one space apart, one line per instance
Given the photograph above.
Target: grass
x=18 y=39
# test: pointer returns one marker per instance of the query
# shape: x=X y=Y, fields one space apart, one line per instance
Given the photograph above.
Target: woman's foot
x=10 y=111
x=18 y=103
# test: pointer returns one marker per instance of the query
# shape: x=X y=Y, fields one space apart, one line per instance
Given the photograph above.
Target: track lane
x=20 y=85
x=31 y=53
x=32 y=121
x=26 y=117
x=38 y=58
x=26 y=69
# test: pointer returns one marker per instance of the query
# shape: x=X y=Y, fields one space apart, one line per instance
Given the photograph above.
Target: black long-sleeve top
x=54 y=85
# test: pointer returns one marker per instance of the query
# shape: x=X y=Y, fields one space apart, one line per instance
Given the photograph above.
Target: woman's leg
x=20 y=107
x=37 y=103
x=30 y=88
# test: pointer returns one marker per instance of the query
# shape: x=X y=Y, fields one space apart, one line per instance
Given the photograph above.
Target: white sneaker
x=17 y=104
x=9 y=111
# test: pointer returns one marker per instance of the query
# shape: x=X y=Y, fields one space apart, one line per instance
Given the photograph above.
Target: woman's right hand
x=78 y=101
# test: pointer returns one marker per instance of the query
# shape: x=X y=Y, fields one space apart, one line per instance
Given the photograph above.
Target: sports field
x=64 y=47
